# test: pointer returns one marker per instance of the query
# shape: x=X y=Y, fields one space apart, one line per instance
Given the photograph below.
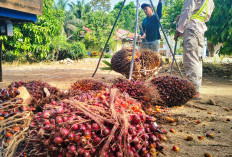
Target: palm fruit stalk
x=15 y=117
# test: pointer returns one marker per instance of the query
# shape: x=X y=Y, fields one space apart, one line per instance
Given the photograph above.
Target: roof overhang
x=17 y=16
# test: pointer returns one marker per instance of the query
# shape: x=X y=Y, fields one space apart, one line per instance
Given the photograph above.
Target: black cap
x=144 y=5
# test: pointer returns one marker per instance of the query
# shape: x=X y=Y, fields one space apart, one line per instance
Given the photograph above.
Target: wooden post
x=135 y=38
x=0 y=60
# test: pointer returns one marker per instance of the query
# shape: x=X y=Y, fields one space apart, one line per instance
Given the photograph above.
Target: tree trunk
x=53 y=54
x=211 y=49
x=57 y=54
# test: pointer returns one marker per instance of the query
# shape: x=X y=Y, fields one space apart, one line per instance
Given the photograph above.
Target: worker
x=150 y=27
x=191 y=25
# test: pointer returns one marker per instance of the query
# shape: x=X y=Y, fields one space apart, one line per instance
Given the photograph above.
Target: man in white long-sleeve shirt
x=192 y=26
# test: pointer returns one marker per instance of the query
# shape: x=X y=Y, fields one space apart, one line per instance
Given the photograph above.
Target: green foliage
x=103 y=5
x=74 y=17
x=142 y=15
x=80 y=9
x=127 y=16
x=62 y=4
x=220 y=26
x=108 y=66
x=107 y=55
x=58 y=41
x=171 y=10
x=106 y=63
x=78 y=51
x=75 y=50
x=99 y=23
x=31 y=41
x=71 y=25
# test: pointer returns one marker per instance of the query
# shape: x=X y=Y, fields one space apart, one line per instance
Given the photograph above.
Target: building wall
x=121 y=45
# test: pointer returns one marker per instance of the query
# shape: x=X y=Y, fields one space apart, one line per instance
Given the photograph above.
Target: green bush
x=75 y=50
x=9 y=56
x=107 y=55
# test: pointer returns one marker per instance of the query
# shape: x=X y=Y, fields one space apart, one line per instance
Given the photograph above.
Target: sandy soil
x=213 y=117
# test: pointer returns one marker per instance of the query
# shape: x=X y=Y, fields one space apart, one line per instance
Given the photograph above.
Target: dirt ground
x=196 y=118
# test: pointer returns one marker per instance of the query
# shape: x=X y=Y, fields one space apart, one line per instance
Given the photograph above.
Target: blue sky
x=114 y=2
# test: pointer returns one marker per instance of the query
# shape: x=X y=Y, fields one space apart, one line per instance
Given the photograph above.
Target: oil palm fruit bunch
x=41 y=92
x=87 y=85
x=144 y=92
x=6 y=94
x=83 y=88
x=150 y=62
x=146 y=63
x=135 y=88
x=121 y=61
x=174 y=90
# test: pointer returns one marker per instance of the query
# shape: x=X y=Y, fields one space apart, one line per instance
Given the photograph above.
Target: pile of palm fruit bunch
x=146 y=63
x=15 y=116
x=41 y=92
x=161 y=90
x=90 y=120
x=17 y=105
x=106 y=124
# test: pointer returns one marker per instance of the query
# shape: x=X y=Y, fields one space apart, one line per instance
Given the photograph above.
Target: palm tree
x=62 y=4
x=70 y=26
x=79 y=9
x=74 y=17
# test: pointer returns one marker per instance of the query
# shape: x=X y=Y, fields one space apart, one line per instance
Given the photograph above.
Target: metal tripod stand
x=135 y=38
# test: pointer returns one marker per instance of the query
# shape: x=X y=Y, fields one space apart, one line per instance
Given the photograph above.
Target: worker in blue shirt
x=150 y=27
